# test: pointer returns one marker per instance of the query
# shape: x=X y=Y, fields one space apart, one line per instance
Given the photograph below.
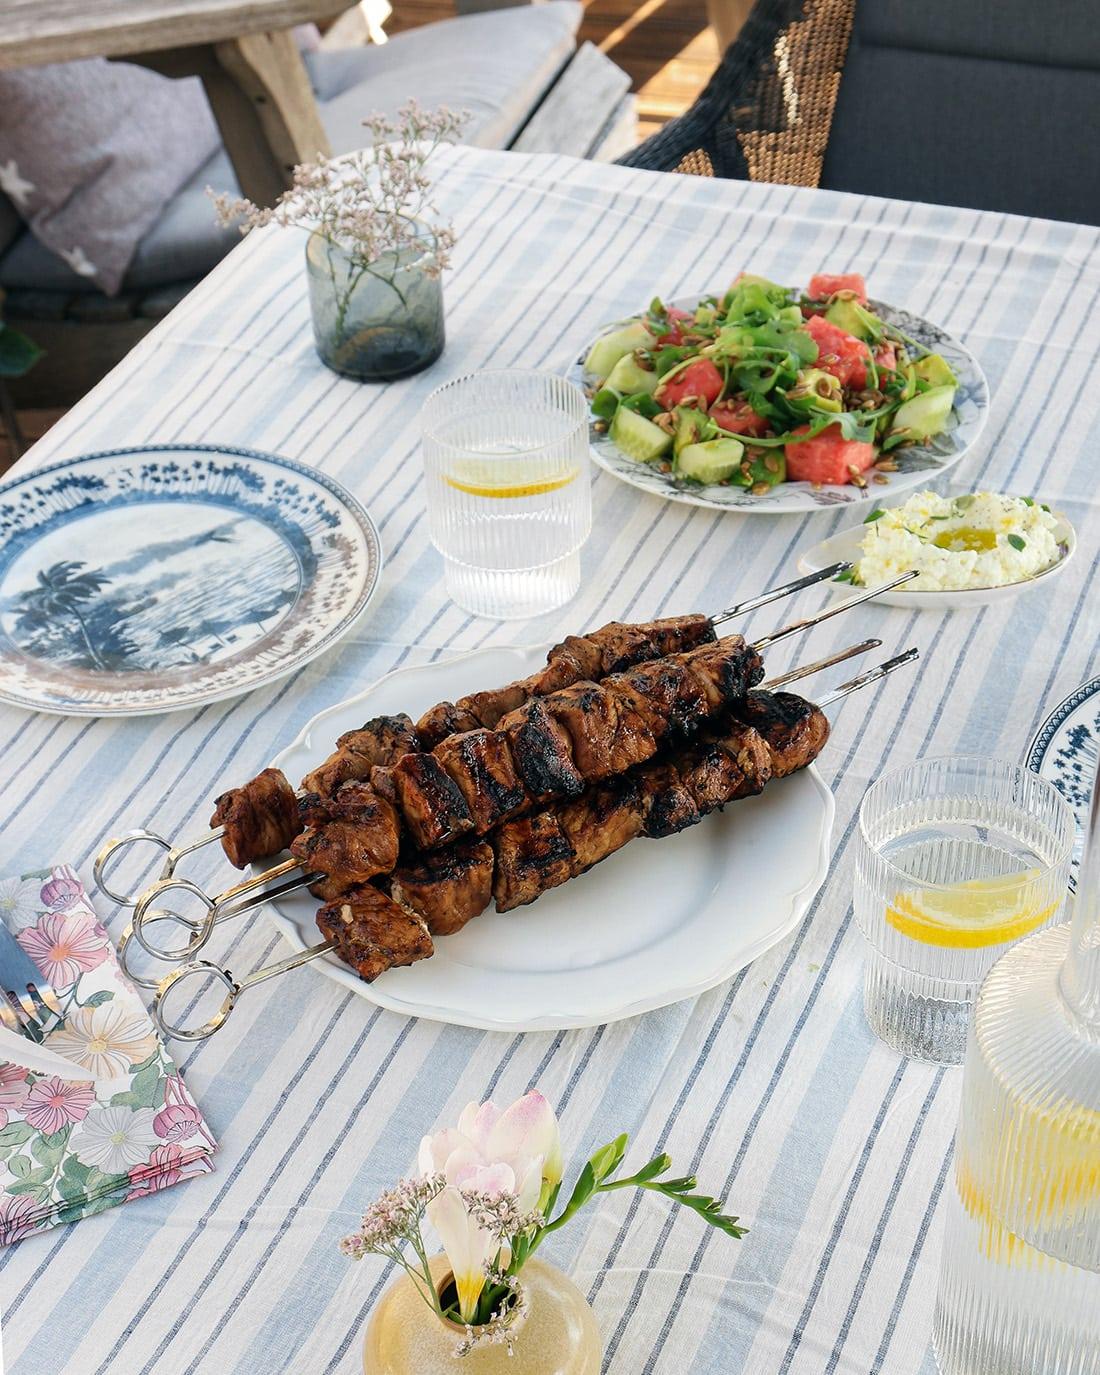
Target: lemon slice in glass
x=969 y=915
x=504 y=478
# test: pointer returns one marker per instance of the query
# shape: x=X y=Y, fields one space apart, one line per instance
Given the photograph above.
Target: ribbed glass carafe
x=1019 y=1286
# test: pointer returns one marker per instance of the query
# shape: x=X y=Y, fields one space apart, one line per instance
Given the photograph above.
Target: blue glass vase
x=380 y=320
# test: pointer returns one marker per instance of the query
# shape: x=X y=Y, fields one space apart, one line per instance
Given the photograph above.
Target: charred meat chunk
x=444 y=719
x=533 y=854
x=607 y=732
x=481 y=765
x=352 y=851
x=796 y=730
x=489 y=706
x=668 y=696
x=260 y=818
x=382 y=740
x=542 y=752
x=373 y=933
x=725 y=670
x=431 y=804
x=447 y=886
x=720 y=771
x=603 y=820
x=670 y=806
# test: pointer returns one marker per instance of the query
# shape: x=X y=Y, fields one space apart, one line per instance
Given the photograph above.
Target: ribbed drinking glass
x=508 y=489
x=1019 y=1290
x=957 y=860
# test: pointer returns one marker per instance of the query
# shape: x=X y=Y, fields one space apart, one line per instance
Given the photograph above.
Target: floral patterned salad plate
x=151 y=579
x=651 y=925
x=920 y=463
x=1065 y=751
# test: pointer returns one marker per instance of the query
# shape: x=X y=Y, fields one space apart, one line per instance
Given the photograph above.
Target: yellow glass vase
x=559 y=1336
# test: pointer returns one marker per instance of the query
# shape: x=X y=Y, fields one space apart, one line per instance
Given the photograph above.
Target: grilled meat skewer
x=259 y=819
x=770 y=736
x=535 y=755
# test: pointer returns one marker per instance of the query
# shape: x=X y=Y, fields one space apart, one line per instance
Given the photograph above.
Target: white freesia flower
x=108 y=1039
x=489 y=1153
x=19 y=901
x=116 y=1139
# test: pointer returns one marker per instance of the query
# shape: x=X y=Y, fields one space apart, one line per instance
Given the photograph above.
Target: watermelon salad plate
x=779 y=400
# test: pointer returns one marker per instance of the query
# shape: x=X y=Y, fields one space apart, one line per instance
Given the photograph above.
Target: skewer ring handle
x=205 y=969
x=145 y=913
x=114 y=847
x=126 y=945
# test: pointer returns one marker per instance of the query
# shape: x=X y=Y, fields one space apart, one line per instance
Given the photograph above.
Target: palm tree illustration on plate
x=65 y=593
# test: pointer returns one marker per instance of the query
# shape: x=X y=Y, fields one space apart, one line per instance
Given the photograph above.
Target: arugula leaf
x=643 y=403
x=605 y=403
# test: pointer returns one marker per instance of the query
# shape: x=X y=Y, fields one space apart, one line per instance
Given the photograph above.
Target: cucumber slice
x=925 y=415
x=627 y=378
x=934 y=370
x=714 y=460
x=606 y=352
x=638 y=437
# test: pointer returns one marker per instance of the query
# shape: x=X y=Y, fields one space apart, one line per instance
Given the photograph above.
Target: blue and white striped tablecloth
x=770 y=1087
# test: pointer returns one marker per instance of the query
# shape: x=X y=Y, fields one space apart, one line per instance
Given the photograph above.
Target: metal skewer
x=254 y=892
x=174 y=853
x=210 y=971
x=241 y=894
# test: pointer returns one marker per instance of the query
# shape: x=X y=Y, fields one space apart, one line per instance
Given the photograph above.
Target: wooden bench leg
x=266 y=111
x=260 y=94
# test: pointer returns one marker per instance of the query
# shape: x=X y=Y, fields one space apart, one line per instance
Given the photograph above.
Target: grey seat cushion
x=495 y=64
x=987 y=103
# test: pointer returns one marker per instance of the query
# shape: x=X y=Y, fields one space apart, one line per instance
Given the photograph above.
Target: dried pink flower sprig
x=371 y=203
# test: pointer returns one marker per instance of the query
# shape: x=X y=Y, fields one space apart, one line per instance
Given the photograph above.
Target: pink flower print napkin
x=69 y=1148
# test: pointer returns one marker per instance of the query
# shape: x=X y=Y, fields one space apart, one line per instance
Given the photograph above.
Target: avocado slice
x=606 y=352
x=923 y=416
x=691 y=427
x=850 y=316
x=816 y=390
x=934 y=371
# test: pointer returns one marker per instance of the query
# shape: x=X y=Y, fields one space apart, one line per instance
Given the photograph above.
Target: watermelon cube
x=839 y=352
x=825 y=284
x=828 y=457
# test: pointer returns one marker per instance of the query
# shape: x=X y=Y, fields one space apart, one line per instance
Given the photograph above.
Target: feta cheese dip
x=978 y=540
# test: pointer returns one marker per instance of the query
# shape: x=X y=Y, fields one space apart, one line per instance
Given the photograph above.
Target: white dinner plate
x=845 y=547
x=151 y=579
x=657 y=922
x=916 y=464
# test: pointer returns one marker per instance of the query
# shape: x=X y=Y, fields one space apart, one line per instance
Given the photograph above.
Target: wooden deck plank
x=664 y=46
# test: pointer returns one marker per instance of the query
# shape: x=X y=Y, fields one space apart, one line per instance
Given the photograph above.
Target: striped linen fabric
x=770 y=1087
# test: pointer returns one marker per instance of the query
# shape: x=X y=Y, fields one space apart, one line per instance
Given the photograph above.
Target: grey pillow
x=91 y=152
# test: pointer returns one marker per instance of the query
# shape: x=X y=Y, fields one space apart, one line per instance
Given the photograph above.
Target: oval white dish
x=846 y=546
x=655 y=923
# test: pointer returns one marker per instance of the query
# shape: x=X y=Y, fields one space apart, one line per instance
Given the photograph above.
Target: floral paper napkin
x=69 y=1148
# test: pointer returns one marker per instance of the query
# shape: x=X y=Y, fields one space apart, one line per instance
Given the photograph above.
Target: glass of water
x=957 y=860
x=508 y=489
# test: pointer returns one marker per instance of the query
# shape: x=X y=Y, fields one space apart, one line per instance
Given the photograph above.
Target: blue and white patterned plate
x=922 y=463
x=1065 y=750
x=149 y=579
